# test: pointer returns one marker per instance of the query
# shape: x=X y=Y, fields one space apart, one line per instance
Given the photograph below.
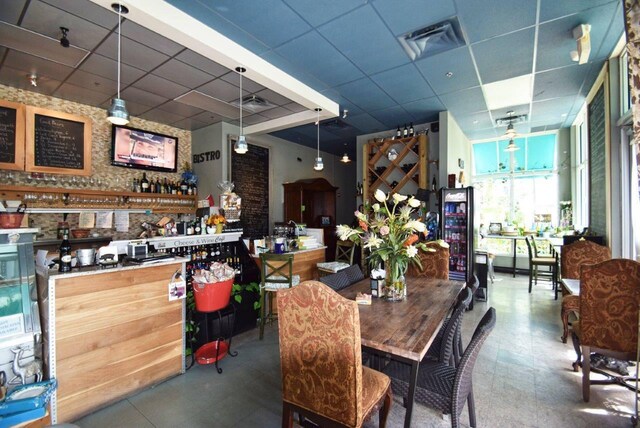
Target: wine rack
x=395 y=165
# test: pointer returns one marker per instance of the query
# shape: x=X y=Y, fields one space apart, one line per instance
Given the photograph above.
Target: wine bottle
x=65 y=254
x=398 y=132
x=144 y=183
x=411 y=131
x=433 y=183
x=165 y=186
x=405 y=131
x=135 y=186
x=184 y=186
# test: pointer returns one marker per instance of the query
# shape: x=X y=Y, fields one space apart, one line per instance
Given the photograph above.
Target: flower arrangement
x=215 y=220
x=188 y=175
x=390 y=234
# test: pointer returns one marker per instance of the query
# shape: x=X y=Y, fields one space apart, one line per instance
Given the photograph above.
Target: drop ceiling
x=312 y=53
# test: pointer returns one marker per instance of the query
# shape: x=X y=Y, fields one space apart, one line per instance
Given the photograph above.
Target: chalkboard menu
x=597 y=164
x=250 y=174
x=11 y=135
x=58 y=142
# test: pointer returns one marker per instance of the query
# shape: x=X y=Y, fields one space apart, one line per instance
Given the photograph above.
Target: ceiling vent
x=504 y=121
x=253 y=103
x=433 y=39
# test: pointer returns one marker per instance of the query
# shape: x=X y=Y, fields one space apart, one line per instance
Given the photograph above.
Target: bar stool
x=276 y=274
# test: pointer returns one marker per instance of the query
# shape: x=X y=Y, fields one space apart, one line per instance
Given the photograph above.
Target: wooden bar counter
x=111 y=332
x=304 y=262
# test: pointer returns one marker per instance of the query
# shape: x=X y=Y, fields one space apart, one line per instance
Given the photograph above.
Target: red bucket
x=10 y=220
x=212 y=296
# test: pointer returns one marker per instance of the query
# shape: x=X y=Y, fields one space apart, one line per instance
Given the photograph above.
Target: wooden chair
x=572 y=258
x=435 y=263
x=276 y=274
x=536 y=261
x=345 y=251
x=322 y=374
x=608 y=325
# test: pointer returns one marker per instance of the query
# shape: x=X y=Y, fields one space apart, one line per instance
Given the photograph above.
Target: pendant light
x=318 y=165
x=511 y=147
x=241 y=146
x=345 y=157
x=117 y=113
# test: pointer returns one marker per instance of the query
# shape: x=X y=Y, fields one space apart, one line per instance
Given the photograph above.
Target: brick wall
x=250 y=174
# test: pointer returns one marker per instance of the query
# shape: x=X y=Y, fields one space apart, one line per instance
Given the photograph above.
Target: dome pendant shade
x=117 y=113
x=318 y=165
x=511 y=147
x=345 y=158
x=241 y=146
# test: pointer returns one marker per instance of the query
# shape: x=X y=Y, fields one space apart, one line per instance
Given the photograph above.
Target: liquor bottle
x=158 y=188
x=433 y=183
x=405 y=131
x=165 y=186
x=398 y=132
x=184 y=187
x=197 y=228
x=190 y=189
x=411 y=131
x=144 y=183
x=135 y=185
x=65 y=254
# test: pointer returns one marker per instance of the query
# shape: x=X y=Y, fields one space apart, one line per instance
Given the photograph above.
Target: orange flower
x=412 y=239
x=363 y=225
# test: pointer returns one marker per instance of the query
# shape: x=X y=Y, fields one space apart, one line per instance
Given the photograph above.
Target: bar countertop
x=96 y=270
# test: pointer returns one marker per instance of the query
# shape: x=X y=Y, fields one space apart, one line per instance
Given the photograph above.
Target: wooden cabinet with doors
x=313 y=202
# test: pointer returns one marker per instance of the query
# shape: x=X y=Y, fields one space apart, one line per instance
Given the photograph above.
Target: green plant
x=237 y=289
x=191 y=327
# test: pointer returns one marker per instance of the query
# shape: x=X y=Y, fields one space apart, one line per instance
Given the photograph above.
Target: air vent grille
x=253 y=103
x=433 y=39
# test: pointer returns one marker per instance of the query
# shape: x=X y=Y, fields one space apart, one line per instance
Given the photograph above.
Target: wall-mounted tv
x=136 y=148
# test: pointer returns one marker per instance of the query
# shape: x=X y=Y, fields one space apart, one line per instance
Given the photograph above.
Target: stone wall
x=104 y=176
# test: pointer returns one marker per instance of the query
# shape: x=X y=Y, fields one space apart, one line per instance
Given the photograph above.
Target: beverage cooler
x=457 y=231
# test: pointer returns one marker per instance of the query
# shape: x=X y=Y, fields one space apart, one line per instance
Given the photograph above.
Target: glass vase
x=395 y=283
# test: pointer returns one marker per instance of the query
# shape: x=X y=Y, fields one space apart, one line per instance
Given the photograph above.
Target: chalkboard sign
x=597 y=163
x=58 y=142
x=11 y=135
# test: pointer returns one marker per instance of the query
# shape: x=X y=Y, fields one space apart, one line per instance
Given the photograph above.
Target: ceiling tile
x=413 y=14
x=200 y=62
x=392 y=117
x=271 y=21
x=253 y=119
x=221 y=90
x=464 y=102
x=47 y=20
x=518 y=110
x=320 y=58
x=93 y=82
x=404 y=84
x=424 y=110
x=475 y=121
x=616 y=31
x=366 y=122
x=248 y=85
x=32 y=64
x=189 y=124
x=505 y=57
x=559 y=83
x=17 y=78
x=275 y=113
x=274 y=97
x=11 y=10
x=551 y=9
x=142 y=97
x=295 y=107
x=183 y=74
x=81 y=95
x=88 y=10
x=105 y=67
x=552 y=110
x=180 y=109
x=366 y=94
x=344 y=103
x=210 y=104
x=133 y=53
x=161 y=116
x=362 y=37
x=489 y=18
x=458 y=61
x=293 y=70
x=317 y=13
x=150 y=38
x=482 y=134
x=160 y=86
x=208 y=118
x=555 y=39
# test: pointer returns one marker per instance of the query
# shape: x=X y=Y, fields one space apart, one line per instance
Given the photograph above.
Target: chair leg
x=384 y=411
x=287 y=416
x=564 y=316
x=530 y=276
x=263 y=311
x=586 y=370
x=576 y=346
x=471 y=404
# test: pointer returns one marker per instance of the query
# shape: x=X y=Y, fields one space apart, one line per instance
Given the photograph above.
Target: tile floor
x=523 y=378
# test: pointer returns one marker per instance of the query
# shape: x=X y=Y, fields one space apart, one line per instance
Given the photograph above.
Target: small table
x=405 y=330
x=572 y=286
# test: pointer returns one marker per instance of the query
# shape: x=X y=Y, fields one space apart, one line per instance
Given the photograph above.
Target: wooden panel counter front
x=112 y=332
x=304 y=262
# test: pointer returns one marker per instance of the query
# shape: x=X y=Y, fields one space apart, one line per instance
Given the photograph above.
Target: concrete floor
x=523 y=378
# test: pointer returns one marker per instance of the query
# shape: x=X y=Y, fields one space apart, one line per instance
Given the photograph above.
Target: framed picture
x=325 y=220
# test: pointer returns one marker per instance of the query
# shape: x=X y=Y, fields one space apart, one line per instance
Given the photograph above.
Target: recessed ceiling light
x=510 y=92
x=449 y=74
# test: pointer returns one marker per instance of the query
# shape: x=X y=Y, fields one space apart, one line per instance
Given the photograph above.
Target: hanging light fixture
x=511 y=132
x=318 y=165
x=345 y=156
x=241 y=146
x=117 y=113
x=511 y=147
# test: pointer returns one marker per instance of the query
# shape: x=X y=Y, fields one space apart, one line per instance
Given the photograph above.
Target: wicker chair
x=609 y=299
x=536 y=261
x=572 y=258
x=441 y=386
x=322 y=374
x=435 y=264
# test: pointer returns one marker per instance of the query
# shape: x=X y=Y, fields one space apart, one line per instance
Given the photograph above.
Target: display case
x=457 y=231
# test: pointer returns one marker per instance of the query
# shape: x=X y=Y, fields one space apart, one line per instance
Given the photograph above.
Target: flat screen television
x=136 y=148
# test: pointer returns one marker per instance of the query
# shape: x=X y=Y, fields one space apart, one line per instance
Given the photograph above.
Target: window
x=581 y=194
x=625 y=89
x=536 y=153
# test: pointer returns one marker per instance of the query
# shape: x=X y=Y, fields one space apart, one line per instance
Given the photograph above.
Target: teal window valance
x=537 y=153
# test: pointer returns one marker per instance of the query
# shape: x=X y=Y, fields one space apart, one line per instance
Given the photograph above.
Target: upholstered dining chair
x=608 y=324
x=435 y=263
x=345 y=251
x=440 y=385
x=536 y=261
x=276 y=274
x=572 y=258
x=323 y=378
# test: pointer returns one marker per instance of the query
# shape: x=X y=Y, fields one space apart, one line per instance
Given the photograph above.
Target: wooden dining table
x=404 y=330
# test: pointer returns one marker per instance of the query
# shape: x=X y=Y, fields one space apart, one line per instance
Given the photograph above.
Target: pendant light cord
x=240 y=102
x=318 y=132
x=119 y=35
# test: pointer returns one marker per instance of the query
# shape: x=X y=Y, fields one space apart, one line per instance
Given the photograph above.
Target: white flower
x=344 y=232
x=360 y=216
x=373 y=242
x=376 y=207
x=413 y=202
x=412 y=251
x=415 y=225
x=405 y=212
x=380 y=196
x=397 y=197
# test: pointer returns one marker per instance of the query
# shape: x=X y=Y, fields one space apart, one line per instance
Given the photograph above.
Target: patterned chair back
x=434 y=264
x=320 y=355
x=580 y=253
x=609 y=299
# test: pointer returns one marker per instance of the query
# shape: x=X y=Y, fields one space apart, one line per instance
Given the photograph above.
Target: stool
x=490 y=258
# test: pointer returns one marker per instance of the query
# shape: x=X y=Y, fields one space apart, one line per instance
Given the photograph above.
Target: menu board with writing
x=58 y=142
x=11 y=135
x=597 y=164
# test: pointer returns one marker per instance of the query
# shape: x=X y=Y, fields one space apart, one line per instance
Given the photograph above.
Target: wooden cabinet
x=395 y=165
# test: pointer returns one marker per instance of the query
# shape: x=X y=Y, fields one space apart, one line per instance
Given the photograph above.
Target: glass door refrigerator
x=457 y=230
